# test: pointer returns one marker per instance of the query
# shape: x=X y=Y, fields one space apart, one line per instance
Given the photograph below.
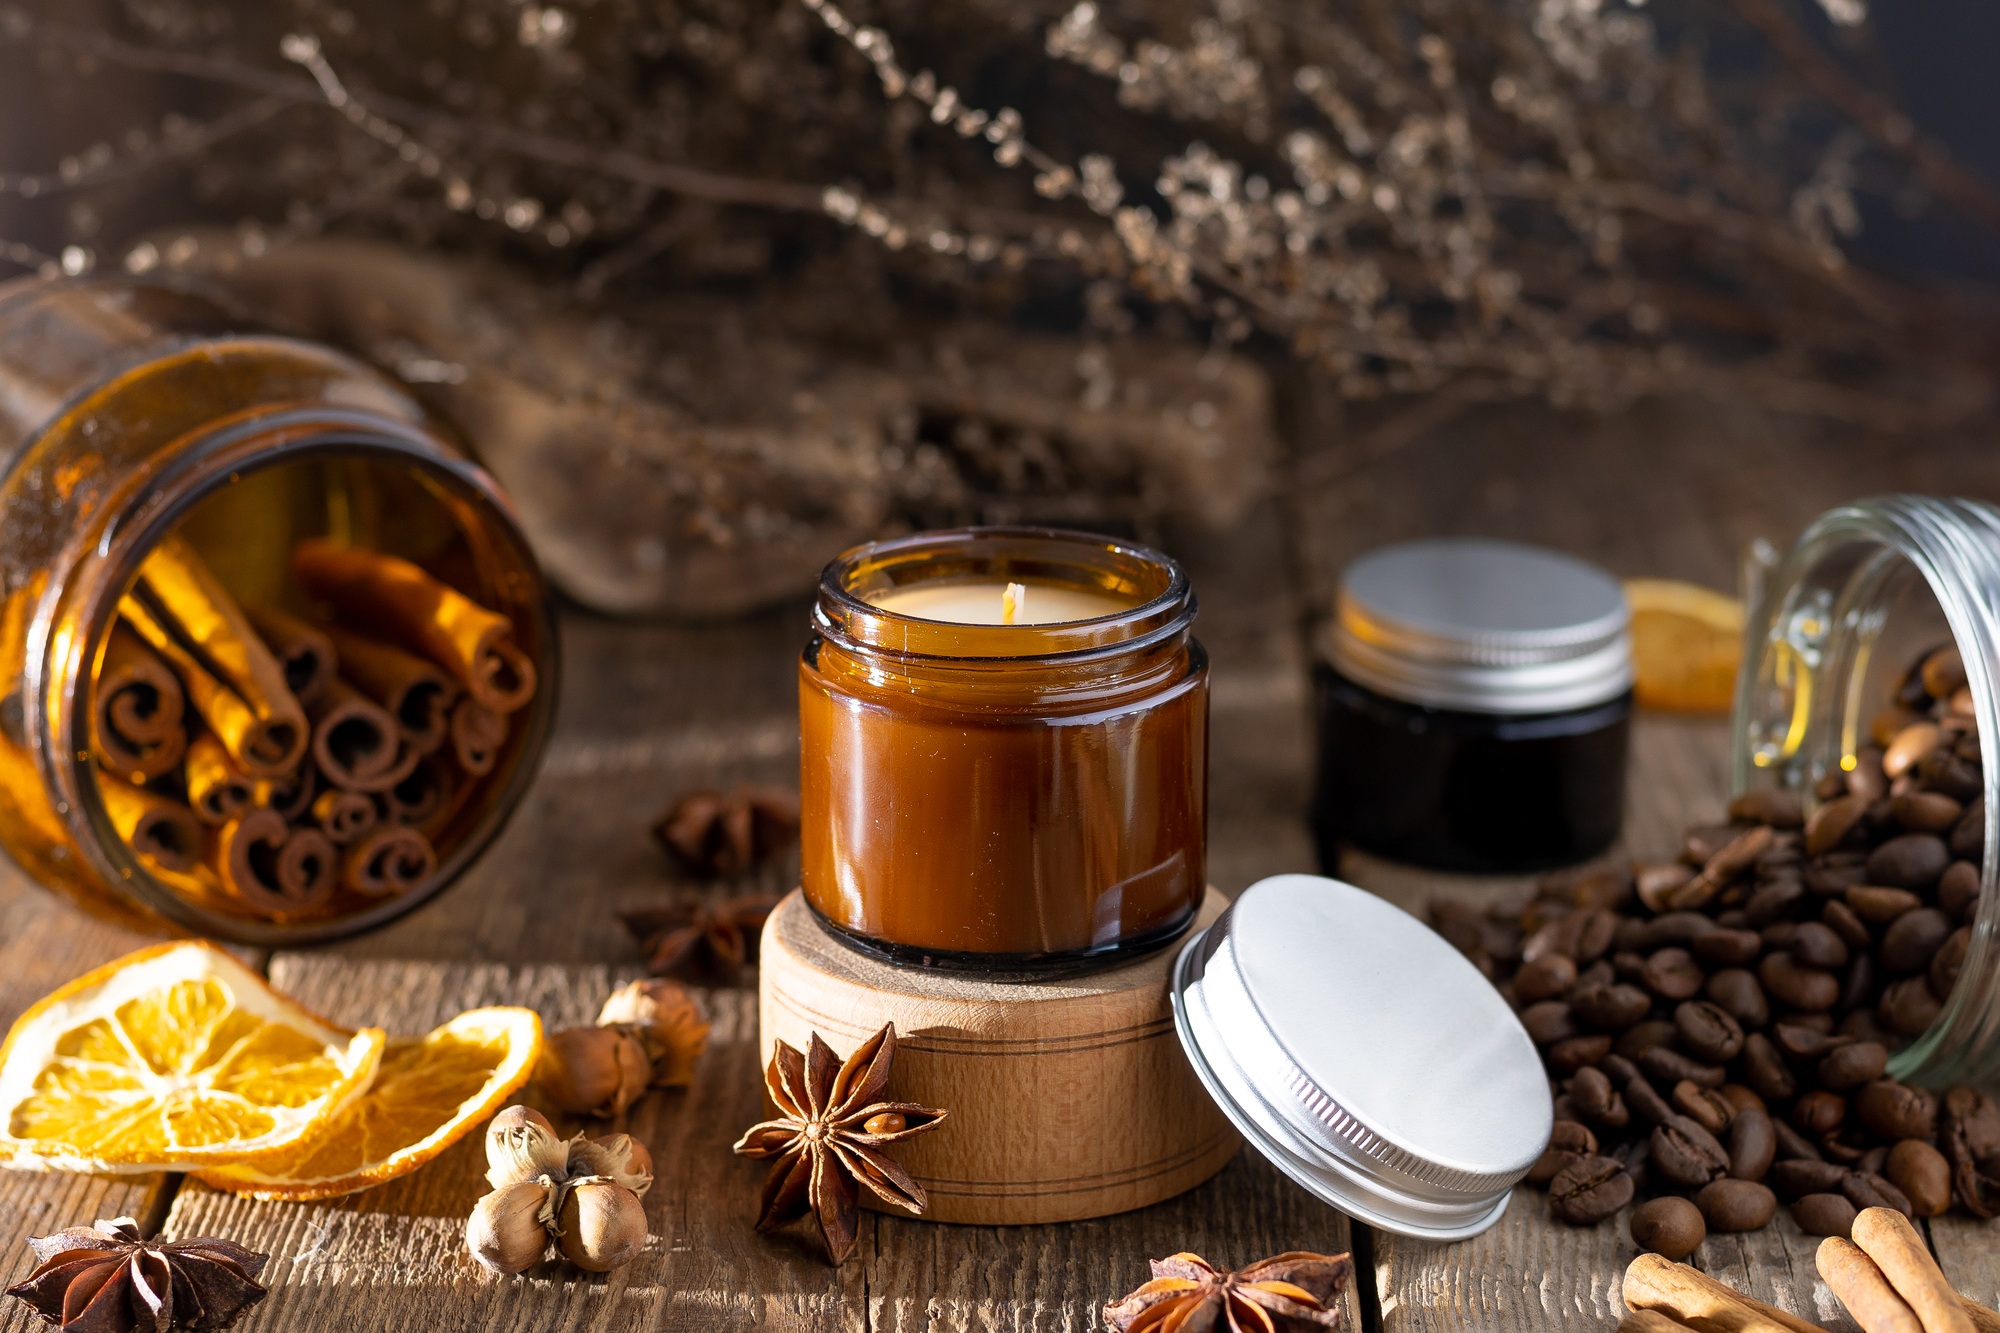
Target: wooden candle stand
x=1069 y=1097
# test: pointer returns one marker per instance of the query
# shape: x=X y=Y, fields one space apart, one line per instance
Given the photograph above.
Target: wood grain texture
x=1968 y=1250
x=1019 y=1064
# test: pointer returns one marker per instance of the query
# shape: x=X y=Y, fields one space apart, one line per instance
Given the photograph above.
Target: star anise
x=696 y=933
x=109 y=1279
x=827 y=1138
x=1288 y=1293
x=717 y=835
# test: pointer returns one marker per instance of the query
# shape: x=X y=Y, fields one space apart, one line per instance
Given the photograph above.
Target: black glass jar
x=1474 y=707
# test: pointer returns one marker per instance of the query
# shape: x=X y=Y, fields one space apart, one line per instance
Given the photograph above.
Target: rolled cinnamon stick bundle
x=136 y=710
x=1888 y=1238
x=344 y=815
x=403 y=602
x=160 y=829
x=354 y=740
x=274 y=870
x=246 y=738
x=393 y=859
x=477 y=733
x=416 y=693
x=304 y=654
x=202 y=611
x=217 y=792
x=292 y=795
x=1695 y=1298
x=420 y=795
x=1859 y=1284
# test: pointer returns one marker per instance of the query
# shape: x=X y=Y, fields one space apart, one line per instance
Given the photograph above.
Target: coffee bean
x=1846 y=1145
x=1765 y=1070
x=1891 y=1110
x=1573 y=1053
x=1548 y=1166
x=1942 y=673
x=1815 y=944
x=1797 y=1178
x=1544 y=978
x=1648 y=1107
x=1673 y=975
x=1819 y=1112
x=1741 y=1098
x=1865 y=1190
x=1920 y=1172
x=1686 y=1154
x=1860 y=985
x=1821 y=1024
x=1792 y=1145
x=1912 y=940
x=1840 y=918
x=1945 y=771
x=1926 y=811
x=1909 y=861
x=1910 y=744
x=1824 y=1214
x=1668 y=1067
x=1735 y=1205
x=1705 y=1106
x=1548 y=1022
x=1568 y=1141
x=1775 y=901
x=1599 y=973
x=1589 y=1190
x=1642 y=1037
x=1829 y=825
x=1679 y=928
x=1958 y=888
x=1852 y=1065
x=1597 y=1101
x=1777 y=937
x=1805 y=1043
x=1618 y=1068
x=1879 y=906
x=1908 y=1007
x=1670 y=1227
x=1803 y=988
x=1610 y=1008
x=1835 y=873
x=1753 y=1143
x=1735 y=991
x=1727 y=948
x=1873 y=1160
x=1950 y=960
x=1657 y=884
x=1707 y=1031
x=1866 y=779
x=1768 y=805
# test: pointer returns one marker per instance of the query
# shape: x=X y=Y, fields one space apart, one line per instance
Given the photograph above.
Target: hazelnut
x=521 y=1144
x=619 y=1156
x=663 y=1016
x=508 y=1229
x=593 y=1071
x=603 y=1225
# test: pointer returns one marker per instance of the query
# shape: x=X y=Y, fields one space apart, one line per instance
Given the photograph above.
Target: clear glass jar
x=1868 y=589
x=131 y=409
x=1003 y=795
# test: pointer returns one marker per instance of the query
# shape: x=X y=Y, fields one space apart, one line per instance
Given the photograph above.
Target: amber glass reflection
x=1005 y=796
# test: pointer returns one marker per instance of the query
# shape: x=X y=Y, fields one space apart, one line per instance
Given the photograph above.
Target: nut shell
x=507 y=1230
x=596 y=1071
x=603 y=1225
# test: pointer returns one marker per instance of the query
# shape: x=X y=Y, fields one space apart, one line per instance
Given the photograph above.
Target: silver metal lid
x=1483 y=626
x=1363 y=1055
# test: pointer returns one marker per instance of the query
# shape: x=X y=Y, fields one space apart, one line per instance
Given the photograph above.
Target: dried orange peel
x=429 y=1092
x=1687 y=642
x=173 y=1058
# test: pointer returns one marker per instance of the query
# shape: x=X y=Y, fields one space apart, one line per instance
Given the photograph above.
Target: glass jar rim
x=1165 y=603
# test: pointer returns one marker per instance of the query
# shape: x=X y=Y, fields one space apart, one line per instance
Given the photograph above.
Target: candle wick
x=1013 y=602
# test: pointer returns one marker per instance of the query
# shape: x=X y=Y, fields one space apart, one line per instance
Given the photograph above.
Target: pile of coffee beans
x=1716 y=1028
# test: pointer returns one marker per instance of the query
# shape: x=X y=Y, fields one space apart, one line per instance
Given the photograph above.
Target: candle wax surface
x=983 y=602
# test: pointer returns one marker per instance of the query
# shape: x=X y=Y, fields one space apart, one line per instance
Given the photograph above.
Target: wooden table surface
x=649 y=710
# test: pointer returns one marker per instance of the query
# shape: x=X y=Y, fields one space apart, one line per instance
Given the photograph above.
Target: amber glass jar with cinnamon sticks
x=1004 y=749
x=275 y=659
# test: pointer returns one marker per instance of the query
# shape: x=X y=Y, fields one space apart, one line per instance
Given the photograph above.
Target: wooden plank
x=1525 y=1273
x=1969 y=1252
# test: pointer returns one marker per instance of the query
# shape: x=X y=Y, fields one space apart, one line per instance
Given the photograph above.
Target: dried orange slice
x=429 y=1092
x=1686 y=644
x=173 y=1058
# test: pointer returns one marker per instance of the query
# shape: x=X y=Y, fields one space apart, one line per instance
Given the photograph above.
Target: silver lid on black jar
x=1482 y=626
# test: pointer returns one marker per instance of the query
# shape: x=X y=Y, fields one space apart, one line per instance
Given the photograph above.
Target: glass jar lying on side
x=1004 y=749
x=277 y=660
x=1827 y=706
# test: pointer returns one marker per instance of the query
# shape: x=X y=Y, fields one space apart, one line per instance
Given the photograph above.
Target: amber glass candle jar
x=133 y=410
x=1004 y=794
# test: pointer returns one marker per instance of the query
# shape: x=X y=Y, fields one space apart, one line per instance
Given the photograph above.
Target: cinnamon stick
x=216 y=790
x=416 y=693
x=304 y=654
x=400 y=600
x=1650 y=1321
x=393 y=859
x=136 y=710
x=1983 y=1319
x=1696 y=1299
x=477 y=733
x=292 y=795
x=354 y=741
x=344 y=815
x=247 y=739
x=1859 y=1284
x=419 y=796
x=274 y=870
x=215 y=628
x=1889 y=1239
x=160 y=829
